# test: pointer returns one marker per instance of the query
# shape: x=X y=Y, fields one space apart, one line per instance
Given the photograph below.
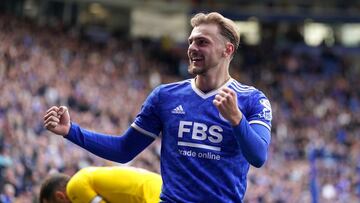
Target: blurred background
x=102 y=58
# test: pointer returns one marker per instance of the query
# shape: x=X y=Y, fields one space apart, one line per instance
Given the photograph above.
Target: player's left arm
x=253 y=140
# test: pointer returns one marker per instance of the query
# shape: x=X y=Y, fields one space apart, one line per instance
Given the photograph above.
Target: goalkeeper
x=101 y=185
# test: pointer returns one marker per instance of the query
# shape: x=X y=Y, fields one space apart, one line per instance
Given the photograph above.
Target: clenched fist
x=226 y=102
x=57 y=120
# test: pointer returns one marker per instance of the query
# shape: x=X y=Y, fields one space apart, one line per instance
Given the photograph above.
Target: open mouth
x=196 y=59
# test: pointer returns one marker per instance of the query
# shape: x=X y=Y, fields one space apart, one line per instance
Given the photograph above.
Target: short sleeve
x=259 y=110
x=148 y=121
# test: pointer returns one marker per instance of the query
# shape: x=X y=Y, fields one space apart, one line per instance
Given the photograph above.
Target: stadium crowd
x=314 y=92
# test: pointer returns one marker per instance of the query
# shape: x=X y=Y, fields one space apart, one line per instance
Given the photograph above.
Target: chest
x=197 y=124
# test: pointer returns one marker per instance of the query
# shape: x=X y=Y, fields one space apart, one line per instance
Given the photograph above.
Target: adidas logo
x=178 y=110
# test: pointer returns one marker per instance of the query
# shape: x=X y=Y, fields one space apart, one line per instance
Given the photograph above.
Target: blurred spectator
x=8 y=196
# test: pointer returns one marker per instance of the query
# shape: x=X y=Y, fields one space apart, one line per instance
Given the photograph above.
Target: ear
x=229 y=49
x=60 y=196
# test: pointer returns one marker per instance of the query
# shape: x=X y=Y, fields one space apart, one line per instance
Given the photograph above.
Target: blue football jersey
x=201 y=160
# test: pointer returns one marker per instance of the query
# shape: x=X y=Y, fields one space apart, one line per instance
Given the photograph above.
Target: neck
x=208 y=82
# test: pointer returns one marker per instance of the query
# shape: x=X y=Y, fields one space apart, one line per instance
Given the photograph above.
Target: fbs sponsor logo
x=190 y=133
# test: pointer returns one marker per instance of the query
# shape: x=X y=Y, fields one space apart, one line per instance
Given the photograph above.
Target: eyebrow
x=197 y=37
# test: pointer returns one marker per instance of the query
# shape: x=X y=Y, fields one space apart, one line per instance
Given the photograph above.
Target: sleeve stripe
x=96 y=199
x=261 y=123
x=136 y=127
x=241 y=89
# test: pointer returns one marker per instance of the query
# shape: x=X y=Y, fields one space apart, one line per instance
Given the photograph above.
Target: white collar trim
x=212 y=92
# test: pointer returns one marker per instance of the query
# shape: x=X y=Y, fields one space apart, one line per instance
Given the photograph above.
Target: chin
x=196 y=70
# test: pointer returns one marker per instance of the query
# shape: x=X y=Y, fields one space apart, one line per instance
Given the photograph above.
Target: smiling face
x=207 y=49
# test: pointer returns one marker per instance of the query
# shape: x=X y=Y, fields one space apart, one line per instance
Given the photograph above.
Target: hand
x=57 y=120
x=226 y=102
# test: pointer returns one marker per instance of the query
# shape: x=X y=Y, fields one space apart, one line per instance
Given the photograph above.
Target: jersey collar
x=211 y=93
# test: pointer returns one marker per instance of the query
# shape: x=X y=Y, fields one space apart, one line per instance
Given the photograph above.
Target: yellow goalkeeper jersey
x=114 y=184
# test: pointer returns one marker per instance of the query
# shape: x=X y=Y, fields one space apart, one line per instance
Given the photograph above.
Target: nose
x=192 y=47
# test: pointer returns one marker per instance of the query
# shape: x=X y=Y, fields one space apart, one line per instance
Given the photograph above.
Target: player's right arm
x=112 y=147
x=124 y=148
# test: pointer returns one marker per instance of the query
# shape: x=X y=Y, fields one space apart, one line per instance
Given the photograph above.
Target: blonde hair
x=227 y=27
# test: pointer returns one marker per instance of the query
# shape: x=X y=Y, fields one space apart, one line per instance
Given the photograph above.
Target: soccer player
x=213 y=127
x=102 y=184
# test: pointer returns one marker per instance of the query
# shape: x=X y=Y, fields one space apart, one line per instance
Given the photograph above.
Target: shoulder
x=173 y=88
x=242 y=89
x=176 y=85
x=78 y=185
x=249 y=93
x=82 y=176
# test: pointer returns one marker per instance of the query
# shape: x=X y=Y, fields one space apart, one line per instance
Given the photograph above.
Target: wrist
x=236 y=119
x=69 y=130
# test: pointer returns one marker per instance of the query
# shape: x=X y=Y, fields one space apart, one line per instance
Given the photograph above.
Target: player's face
x=206 y=48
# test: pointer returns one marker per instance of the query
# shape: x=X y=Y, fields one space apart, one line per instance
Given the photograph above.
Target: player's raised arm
x=253 y=140
x=117 y=148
